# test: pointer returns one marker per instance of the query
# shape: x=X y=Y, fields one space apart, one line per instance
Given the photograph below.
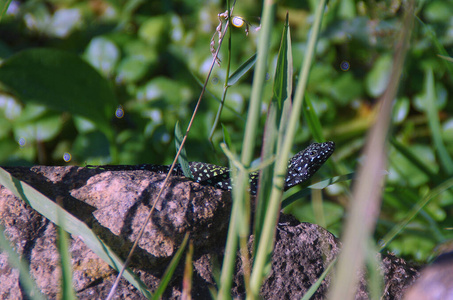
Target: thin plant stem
x=189 y=126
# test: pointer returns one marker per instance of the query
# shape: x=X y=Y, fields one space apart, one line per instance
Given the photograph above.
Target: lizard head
x=305 y=163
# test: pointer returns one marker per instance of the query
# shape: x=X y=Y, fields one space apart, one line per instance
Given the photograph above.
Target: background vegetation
x=153 y=57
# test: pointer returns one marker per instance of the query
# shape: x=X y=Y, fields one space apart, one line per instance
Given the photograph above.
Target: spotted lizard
x=300 y=168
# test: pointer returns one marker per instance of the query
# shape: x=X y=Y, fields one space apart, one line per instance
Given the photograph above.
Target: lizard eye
x=313 y=153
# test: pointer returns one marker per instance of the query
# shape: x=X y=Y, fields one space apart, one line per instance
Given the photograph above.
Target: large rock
x=115 y=204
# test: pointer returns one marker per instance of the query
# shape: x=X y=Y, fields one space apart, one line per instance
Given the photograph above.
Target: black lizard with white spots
x=300 y=168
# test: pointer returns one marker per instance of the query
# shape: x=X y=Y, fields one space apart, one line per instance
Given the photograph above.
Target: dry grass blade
x=365 y=201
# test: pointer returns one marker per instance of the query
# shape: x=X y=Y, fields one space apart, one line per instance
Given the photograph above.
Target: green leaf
x=377 y=79
x=347 y=9
x=44 y=128
x=155 y=31
x=400 y=110
x=92 y=145
x=102 y=54
x=132 y=69
x=438 y=11
x=182 y=158
x=61 y=81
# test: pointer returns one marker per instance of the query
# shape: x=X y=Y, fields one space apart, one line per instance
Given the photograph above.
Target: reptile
x=300 y=168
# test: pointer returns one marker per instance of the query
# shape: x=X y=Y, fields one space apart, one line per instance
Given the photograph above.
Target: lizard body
x=300 y=168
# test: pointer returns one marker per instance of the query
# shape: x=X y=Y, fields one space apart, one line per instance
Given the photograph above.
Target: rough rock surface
x=115 y=204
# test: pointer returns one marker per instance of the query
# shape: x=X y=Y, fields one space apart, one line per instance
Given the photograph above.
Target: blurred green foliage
x=152 y=57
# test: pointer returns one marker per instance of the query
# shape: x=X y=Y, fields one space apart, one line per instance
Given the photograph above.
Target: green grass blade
x=241 y=203
x=264 y=249
x=415 y=161
x=170 y=269
x=67 y=289
x=312 y=290
x=313 y=120
x=14 y=261
x=265 y=179
x=283 y=80
x=4 y=7
x=229 y=260
x=242 y=70
x=319 y=186
x=283 y=84
x=227 y=137
x=49 y=209
x=182 y=158
x=280 y=103
x=434 y=123
x=414 y=212
x=437 y=44
x=405 y=200
x=258 y=85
